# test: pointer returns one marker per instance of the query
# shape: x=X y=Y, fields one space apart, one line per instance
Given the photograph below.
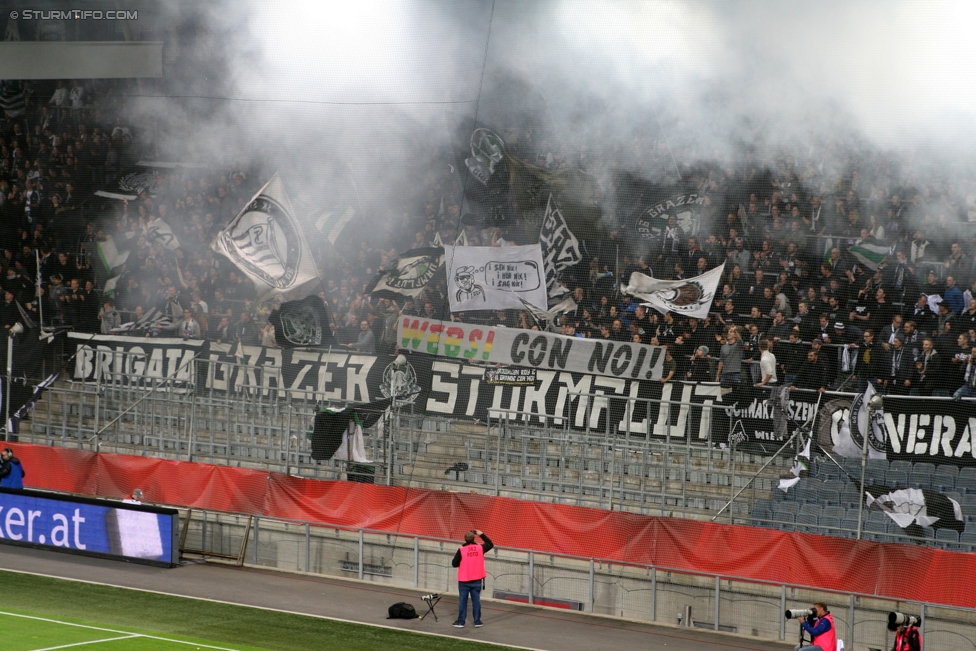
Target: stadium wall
x=889 y=570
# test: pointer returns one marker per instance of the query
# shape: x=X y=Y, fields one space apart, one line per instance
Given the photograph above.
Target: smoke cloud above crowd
x=364 y=95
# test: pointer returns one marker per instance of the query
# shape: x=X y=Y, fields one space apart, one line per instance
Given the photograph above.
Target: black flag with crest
x=302 y=324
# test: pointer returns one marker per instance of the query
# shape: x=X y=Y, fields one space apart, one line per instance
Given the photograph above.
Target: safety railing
x=632 y=591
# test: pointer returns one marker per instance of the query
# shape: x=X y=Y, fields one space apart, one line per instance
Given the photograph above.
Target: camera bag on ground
x=402 y=610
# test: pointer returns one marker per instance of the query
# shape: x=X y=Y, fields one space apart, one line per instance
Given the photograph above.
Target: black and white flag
x=266 y=242
x=301 y=324
x=12 y=99
x=159 y=232
x=691 y=297
x=916 y=507
x=408 y=277
x=560 y=248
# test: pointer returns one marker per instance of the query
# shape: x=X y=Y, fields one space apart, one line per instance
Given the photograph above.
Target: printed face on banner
x=495 y=278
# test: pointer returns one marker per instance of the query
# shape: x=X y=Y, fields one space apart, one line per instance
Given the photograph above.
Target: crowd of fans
x=796 y=304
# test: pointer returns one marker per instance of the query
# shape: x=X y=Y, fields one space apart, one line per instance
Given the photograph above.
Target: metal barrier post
x=531 y=578
x=653 y=594
x=849 y=644
x=590 y=604
x=718 y=592
x=921 y=626
x=782 y=609
x=360 y=554
x=416 y=561
x=257 y=531
x=98 y=402
x=308 y=547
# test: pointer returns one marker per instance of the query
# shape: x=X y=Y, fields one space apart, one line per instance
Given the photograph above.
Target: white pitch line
x=111 y=630
x=108 y=639
x=269 y=609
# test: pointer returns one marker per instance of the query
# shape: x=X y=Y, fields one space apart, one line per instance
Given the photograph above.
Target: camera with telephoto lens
x=798 y=613
x=896 y=619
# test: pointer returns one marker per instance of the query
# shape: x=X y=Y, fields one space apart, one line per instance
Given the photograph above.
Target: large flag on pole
x=266 y=242
x=691 y=297
x=560 y=248
x=870 y=254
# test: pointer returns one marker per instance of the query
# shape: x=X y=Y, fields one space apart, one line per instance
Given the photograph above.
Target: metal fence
x=680 y=470
x=636 y=592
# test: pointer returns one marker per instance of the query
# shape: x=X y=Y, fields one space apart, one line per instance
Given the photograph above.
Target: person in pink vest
x=470 y=563
x=821 y=629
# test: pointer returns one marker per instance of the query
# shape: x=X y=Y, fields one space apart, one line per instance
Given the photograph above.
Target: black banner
x=449 y=387
x=932 y=430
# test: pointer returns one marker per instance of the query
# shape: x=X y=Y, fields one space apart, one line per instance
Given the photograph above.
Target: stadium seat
x=873 y=476
x=966 y=483
x=880 y=464
x=876 y=516
x=924 y=466
x=928 y=533
x=785 y=521
x=968 y=510
x=968 y=471
x=806 y=495
x=765 y=504
x=901 y=465
x=787 y=507
x=761 y=517
x=968 y=538
x=851 y=497
x=954 y=495
x=875 y=531
x=829 y=497
x=835 y=485
x=947 y=470
x=849 y=525
x=893 y=529
x=807 y=522
x=897 y=478
x=970 y=527
x=947 y=535
x=838 y=512
x=920 y=479
x=829 y=526
x=968 y=499
x=943 y=483
x=811 y=509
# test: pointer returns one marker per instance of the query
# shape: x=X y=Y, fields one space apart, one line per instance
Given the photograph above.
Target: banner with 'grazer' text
x=531 y=348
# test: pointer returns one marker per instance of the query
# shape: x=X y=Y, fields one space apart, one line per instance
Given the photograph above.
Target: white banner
x=691 y=297
x=267 y=244
x=495 y=278
x=531 y=349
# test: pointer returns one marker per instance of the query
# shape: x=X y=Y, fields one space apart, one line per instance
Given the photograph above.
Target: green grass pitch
x=43 y=614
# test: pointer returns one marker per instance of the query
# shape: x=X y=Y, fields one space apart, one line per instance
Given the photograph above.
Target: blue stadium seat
x=787 y=507
x=893 y=529
x=806 y=495
x=850 y=527
x=901 y=465
x=880 y=464
x=924 y=466
x=968 y=538
x=761 y=517
x=838 y=512
x=947 y=536
x=920 y=479
x=967 y=471
x=851 y=497
x=835 y=485
x=765 y=504
x=897 y=478
x=970 y=527
x=943 y=483
x=947 y=470
x=785 y=521
x=806 y=522
x=829 y=526
x=873 y=476
x=875 y=531
x=877 y=516
x=966 y=483
x=968 y=510
x=829 y=497
x=928 y=533
x=811 y=509
x=968 y=499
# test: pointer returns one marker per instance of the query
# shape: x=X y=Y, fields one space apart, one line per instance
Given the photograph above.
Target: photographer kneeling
x=820 y=626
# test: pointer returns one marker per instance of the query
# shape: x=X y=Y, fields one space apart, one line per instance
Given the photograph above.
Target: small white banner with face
x=495 y=278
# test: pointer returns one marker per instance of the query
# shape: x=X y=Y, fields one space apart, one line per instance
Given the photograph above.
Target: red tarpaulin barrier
x=896 y=571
